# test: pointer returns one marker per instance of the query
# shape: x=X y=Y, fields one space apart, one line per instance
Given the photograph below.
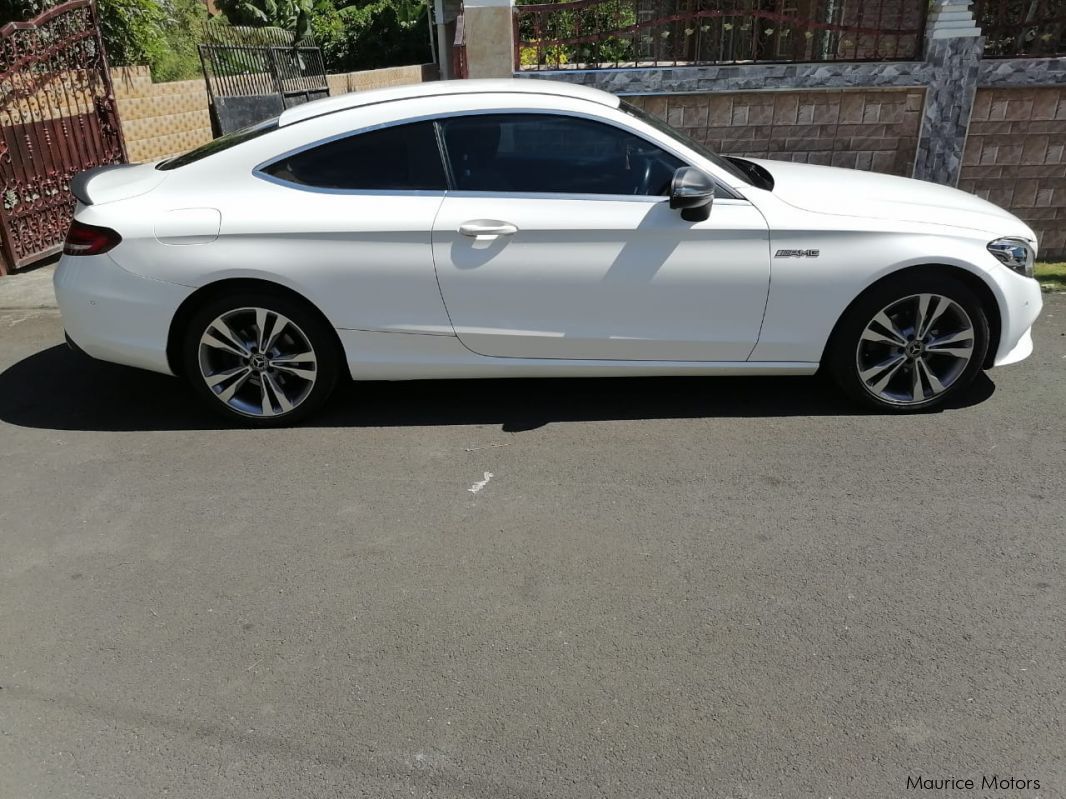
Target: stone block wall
x=1015 y=157
x=160 y=119
x=873 y=129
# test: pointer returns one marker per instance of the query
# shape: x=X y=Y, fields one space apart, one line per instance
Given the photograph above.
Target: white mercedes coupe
x=524 y=228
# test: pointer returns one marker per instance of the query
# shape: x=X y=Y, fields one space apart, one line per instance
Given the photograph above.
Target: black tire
x=843 y=354
x=306 y=327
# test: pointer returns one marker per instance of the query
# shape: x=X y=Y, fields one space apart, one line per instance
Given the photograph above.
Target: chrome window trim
x=545 y=195
x=437 y=118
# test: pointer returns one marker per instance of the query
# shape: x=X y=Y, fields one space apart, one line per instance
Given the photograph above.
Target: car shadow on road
x=58 y=389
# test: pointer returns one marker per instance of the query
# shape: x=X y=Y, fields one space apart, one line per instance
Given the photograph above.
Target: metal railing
x=621 y=33
x=1015 y=28
x=241 y=61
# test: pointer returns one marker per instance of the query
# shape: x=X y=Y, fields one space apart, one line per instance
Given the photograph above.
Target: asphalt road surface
x=567 y=588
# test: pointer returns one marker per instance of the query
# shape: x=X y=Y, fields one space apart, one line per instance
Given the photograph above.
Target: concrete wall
x=874 y=129
x=489 y=34
x=1016 y=157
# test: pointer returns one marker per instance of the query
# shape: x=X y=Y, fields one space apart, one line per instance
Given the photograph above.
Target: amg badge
x=798 y=253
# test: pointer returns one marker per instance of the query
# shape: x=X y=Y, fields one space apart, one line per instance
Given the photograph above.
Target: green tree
x=160 y=33
x=132 y=31
x=290 y=15
x=368 y=34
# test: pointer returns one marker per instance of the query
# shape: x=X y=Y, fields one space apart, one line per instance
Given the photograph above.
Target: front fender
x=809 y=295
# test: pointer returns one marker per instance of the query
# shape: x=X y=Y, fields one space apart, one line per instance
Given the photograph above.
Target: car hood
x=870 y=195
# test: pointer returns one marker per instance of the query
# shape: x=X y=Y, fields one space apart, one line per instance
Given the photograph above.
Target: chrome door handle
x=487 y=228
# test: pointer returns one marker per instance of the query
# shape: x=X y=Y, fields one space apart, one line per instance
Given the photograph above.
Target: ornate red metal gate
x=57 y=118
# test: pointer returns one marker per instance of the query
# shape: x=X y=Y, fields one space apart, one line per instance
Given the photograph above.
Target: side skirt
x=412 y=356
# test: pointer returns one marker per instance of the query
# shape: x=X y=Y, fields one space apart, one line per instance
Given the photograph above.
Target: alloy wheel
x=914 y=349
x=257 y=361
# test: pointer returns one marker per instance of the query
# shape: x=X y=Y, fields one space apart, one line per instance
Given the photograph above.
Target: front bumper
x=1022 y=350
x=115 y=315
x=1021 y=304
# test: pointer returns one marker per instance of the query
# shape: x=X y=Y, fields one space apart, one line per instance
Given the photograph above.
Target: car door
x=557 y=241
x=348 y=218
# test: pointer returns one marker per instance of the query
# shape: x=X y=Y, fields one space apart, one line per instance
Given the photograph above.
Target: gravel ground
x=567 y=588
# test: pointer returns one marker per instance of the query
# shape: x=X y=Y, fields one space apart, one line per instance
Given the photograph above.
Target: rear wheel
x=910 y=344
x=263 y=359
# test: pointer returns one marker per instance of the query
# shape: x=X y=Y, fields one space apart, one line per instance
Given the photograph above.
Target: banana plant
x=290 y=15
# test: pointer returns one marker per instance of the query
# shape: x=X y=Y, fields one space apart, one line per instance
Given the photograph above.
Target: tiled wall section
x=874 y=129
x=160 y=119
x=163 y=119
x=380 y=78
x=1015 y=158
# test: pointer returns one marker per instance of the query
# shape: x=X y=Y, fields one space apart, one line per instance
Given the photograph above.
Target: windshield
x=686 y=140
x=220 y=144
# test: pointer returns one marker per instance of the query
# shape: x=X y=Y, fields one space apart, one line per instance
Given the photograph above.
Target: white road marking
x=480 y=484
x=487 y=446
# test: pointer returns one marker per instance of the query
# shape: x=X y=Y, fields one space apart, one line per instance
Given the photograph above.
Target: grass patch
x=1052 y=277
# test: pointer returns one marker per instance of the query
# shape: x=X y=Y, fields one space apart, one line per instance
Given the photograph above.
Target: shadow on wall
x=57 y=389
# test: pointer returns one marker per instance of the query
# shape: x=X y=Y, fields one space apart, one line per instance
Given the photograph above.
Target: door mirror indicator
x=692 y=192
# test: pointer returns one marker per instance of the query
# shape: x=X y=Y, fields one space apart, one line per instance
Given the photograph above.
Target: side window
x=549 y=153
x=404 y=157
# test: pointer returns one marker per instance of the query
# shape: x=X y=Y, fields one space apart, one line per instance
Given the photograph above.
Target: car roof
x=330 y=105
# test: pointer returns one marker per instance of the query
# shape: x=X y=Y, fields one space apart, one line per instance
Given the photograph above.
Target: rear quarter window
x=397 y=158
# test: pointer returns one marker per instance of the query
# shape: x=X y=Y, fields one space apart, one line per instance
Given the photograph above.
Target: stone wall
x=874 y=129
x=1015 y=157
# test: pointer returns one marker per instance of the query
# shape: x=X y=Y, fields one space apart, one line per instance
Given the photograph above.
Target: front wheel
x=909 y=345
x=262 y=359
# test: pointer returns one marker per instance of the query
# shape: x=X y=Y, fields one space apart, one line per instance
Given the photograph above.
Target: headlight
x=1017 y=254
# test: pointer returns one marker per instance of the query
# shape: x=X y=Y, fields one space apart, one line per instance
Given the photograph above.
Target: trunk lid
x=111 y=182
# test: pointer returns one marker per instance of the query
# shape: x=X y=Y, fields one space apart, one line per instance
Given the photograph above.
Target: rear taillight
x=85 y=239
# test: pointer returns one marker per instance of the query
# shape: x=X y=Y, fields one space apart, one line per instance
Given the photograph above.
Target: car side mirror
x=692 y=191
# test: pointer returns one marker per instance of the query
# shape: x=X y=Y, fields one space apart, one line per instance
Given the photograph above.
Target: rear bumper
x=115 y=315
